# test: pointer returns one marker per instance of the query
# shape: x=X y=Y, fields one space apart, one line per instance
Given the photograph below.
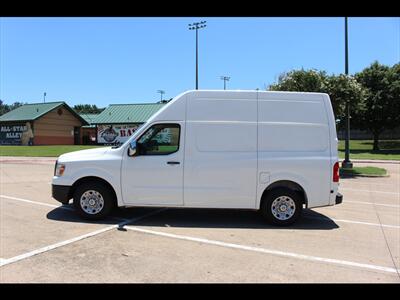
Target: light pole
x=196 y=26
x=225 y=79
x=44 y=97
x=347 y=163
x=161 y=93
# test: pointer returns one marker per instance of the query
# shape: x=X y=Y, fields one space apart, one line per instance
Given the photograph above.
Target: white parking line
x=369 y=191
x=54 y=246
x=123 y=220
x=70 y=241
x=366 y=223
x=52 y=205
x=352 y=222
x=372 y=203
x=365 y=182
x=35 y=202
x=127 y=221
x=268 y=251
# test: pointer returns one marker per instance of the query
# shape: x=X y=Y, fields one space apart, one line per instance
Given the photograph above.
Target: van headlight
x=59 y=169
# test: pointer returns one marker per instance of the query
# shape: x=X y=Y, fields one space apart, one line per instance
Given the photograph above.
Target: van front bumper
x=339 y=198
x=61 y=193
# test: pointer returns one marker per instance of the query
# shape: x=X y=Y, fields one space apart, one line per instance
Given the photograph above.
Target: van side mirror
x=132 y=150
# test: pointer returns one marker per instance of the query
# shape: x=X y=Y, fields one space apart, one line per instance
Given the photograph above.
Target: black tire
x=268 y=199
x=107 y=195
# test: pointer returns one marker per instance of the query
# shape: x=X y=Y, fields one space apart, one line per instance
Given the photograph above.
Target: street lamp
x=161 y=93
x=196 y=26
x=225 y=79
x=347 y=163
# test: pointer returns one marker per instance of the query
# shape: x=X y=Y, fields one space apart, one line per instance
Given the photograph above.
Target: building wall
x=55 y=129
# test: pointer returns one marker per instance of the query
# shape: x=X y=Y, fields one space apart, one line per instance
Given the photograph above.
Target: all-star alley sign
x=11 y=134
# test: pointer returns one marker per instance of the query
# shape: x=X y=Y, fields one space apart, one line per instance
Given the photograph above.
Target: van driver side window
x=159 y=139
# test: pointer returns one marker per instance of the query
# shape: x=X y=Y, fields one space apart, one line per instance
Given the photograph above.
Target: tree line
x=5 y=108
x=79 y=108
x=373 y=95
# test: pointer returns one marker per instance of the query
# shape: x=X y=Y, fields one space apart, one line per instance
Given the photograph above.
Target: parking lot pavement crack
x=384 y=237
x=133 y=220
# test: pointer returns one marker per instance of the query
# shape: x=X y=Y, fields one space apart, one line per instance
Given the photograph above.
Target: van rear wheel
x=281 y=206
x=93 y=201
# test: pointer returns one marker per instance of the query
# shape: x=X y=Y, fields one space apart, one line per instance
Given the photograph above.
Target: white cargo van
x=270 y=151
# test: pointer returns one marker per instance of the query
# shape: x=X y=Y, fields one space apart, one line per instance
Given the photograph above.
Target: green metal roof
x=31 y=112
x=90 y=118
x=127 y=113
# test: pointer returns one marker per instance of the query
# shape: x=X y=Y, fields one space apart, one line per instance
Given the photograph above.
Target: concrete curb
x=28 y=157
x=27 y=160
x=375 y=161
x=362 y=175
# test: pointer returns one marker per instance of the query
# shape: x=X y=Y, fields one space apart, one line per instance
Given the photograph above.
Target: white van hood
x=91 y=154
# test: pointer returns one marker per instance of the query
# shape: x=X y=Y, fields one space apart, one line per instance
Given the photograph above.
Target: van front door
x=154 y=175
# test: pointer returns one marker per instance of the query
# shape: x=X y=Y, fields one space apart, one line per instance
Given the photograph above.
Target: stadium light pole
x=196 y=26
x=225 y=79
x=161 y=93
x=347 y=163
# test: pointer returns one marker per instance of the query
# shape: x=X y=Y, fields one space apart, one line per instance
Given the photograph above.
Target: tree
x=382 y=100
x=301 y=81
x=87 y=109
x=5 y=108
x=342 y=88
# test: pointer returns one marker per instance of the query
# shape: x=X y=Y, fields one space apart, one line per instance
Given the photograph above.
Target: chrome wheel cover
x=92 y=202
x=283 y=208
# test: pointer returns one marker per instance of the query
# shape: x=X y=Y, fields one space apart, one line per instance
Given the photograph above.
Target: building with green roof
x=127 y=113
x=57 y=123
x=51 y=123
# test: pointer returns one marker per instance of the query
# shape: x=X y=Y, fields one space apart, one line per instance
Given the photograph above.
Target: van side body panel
x=221 y=150
x=294 y=144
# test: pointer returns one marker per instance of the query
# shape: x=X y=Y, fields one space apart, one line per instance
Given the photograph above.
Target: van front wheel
x=281 y=206
x=93 y=201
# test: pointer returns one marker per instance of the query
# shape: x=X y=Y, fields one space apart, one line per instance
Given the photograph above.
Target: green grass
x=368 y=171
x=50 y=151
x=362 y=149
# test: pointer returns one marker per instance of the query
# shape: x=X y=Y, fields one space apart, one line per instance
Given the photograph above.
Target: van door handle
x=173 y=162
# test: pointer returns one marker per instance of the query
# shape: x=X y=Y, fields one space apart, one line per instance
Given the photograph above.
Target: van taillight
x=336 y=172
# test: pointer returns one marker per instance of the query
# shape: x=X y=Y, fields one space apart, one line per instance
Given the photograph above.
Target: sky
x=105 y=61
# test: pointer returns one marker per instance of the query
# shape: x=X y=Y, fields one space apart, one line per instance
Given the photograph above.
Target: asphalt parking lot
x=42 y=241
